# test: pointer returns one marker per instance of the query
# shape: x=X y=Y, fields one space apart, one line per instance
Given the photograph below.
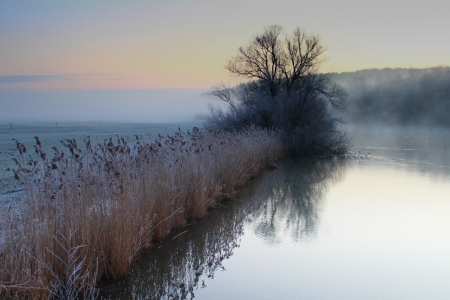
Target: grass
x=88 y=213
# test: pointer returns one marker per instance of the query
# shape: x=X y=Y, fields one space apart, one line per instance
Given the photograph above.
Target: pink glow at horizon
x=185 y=44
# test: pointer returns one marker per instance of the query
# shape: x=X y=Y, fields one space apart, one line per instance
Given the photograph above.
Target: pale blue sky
x=185 y=44
x=84 y=45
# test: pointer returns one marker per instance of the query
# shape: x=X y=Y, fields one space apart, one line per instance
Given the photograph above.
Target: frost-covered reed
x=89 y=211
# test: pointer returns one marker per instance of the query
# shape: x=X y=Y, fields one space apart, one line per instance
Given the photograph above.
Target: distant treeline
x=397 y=96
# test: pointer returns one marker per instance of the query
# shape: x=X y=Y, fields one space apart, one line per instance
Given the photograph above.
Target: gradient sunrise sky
x=185 y=44
x=152 y=61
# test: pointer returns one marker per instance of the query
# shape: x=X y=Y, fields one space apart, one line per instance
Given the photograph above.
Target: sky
x=176 y=44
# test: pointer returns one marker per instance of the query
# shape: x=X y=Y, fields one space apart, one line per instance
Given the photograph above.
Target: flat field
x=51 y=134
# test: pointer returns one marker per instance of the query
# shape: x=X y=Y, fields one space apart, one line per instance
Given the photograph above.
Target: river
x=373 y=226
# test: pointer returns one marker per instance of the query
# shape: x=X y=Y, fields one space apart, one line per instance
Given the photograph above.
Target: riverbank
x=329 y=229
x=90 y=212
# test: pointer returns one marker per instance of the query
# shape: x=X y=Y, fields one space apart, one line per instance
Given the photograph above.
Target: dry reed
x=88 y=213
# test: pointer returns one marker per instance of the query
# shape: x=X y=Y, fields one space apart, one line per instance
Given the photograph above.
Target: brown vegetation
x=89 y=213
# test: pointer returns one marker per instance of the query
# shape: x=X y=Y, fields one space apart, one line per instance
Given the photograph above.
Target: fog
x=397 y=96
x=136 y=106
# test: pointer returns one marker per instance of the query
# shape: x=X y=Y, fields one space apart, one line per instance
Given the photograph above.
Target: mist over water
x=374 y=226
x=137 y=106
x=413 y=97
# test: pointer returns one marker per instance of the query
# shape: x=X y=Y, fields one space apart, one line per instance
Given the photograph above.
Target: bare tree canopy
x=282 y=88
x=274 y=60
x=303 y=56
x=262 y=59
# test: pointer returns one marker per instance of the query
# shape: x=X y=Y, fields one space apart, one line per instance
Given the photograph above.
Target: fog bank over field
x=136 y=106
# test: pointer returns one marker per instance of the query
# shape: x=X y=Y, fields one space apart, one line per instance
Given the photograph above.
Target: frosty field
x=51 y=134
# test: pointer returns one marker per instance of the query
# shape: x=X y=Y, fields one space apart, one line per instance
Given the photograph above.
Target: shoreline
x=110 y=203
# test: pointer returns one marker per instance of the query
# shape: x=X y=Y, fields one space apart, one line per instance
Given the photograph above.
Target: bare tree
x=282 y=86
x=288 y=64
x=269 y=59
x=262 y=59
x=302 y=56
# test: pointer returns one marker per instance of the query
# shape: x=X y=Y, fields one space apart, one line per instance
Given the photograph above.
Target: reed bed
x=88 y=212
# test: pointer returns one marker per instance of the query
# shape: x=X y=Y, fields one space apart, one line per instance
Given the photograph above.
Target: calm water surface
x=376 y=226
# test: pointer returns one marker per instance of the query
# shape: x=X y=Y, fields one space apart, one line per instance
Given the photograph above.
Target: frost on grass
x=91 y=209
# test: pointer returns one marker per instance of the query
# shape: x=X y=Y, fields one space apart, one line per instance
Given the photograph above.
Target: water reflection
x=293 y=199
x=421 y=150
x=283 y=202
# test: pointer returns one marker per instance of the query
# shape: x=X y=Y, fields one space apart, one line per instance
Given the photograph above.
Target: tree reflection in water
x=292 y=199
x=284 y=201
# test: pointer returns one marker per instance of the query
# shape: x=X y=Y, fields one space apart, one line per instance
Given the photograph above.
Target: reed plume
x=90 y=211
